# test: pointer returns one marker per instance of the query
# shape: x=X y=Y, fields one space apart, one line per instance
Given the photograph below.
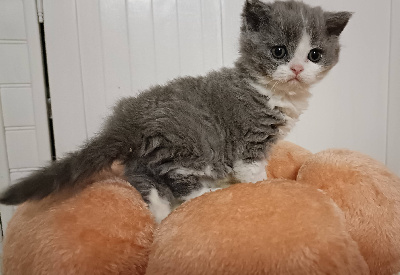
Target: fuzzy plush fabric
x=276 y=227
x=341 y=216
x=285 y=160
x=105 y=229
x=369 y=195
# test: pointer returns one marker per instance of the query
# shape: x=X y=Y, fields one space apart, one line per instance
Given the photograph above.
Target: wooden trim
x=20 y=128
x=19 y=170
x=393 y=126
x=13 y=41
x=37 y=81
x=5 y=181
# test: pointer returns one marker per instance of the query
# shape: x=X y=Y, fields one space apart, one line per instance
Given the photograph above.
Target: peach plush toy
x=334 y=212
x=105 y=229
x=369 y=196
x=366 y=191
x=276 y=227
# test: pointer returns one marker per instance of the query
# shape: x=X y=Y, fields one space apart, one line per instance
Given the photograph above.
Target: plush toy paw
x=369 y=195
x=285 y=160
x=275 y=227
x=105 y=229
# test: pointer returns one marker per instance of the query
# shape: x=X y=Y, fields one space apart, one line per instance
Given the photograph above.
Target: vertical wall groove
x=393 y=101
x=154 y=39
x=222 y=31
x=202 y=33
x=80 y=68
x=129 y=45
x=179 y=37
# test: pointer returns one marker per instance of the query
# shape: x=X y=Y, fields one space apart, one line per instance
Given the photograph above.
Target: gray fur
x=194 y=123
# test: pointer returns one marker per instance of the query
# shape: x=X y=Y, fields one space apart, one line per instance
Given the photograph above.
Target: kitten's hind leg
x=158 y=199
x=185 y=186
x=159 y=206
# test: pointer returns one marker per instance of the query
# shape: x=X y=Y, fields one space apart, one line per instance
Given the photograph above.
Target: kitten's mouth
x=295 y=79
x=297 y=82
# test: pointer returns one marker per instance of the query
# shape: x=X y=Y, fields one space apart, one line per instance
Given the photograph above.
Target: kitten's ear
x=255 y=14
x=336 y=21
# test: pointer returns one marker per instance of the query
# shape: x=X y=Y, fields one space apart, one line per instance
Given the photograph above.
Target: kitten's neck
x=290 y=103
x=291 y=100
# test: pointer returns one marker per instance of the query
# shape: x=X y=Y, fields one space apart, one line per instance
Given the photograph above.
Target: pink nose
x=297 y=68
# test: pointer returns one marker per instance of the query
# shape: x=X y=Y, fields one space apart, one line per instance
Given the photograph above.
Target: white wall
x=109 y=49
x=24 y=135
x=349 y=108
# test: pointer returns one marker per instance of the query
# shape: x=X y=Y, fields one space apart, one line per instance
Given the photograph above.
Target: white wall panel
x=12 y=20
x=24 y=133
x=142 y=46
x=17 y=106
x=190 y=33
x=14 y=64
x=166 y=37
x=92 y=63
x=113 y=16
x=64 y=67
x=230 y=29
x=211 y=34
x=22 y=143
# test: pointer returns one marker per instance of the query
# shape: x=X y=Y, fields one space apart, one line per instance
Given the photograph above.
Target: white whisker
x=276 y=82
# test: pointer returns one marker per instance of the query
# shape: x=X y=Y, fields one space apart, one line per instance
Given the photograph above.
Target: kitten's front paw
x=250 y=172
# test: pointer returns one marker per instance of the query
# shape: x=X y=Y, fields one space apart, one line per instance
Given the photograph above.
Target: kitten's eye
x=279 y=52
x=315 y=55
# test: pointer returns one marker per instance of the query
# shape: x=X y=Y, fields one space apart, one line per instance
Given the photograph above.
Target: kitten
x=182 y=139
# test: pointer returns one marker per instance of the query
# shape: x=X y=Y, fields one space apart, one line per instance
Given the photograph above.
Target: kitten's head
x=289 y=43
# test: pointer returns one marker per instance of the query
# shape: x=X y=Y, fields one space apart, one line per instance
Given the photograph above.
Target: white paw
x=159 y=207
x=250 y=172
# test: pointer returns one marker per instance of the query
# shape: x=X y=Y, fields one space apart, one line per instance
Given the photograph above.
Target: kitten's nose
x=297 y=68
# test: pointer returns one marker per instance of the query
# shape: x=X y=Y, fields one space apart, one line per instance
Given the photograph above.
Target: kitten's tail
x=97 y=154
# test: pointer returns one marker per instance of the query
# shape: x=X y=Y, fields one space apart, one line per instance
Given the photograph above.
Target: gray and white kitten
x=184 y=138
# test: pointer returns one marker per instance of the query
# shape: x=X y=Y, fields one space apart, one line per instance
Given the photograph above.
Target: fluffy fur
x=204 y=126
x=276 y=227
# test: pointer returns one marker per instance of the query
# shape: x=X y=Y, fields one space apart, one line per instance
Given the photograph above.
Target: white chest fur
x=291 y=103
